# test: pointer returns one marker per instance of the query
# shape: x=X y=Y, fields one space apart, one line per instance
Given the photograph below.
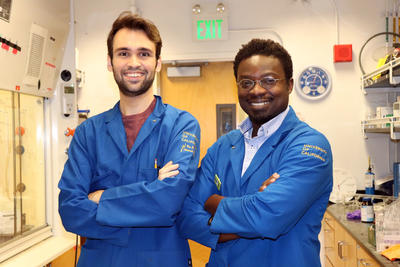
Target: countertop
x=42 y=253
x=359 y=231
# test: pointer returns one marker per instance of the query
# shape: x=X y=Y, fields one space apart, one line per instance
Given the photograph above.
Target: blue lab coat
x=134 y=222
x=279 y=226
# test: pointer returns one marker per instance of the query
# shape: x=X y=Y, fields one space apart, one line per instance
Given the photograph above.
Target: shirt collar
x=267 y=129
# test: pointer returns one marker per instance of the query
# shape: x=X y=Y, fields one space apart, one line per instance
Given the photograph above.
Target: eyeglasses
x=266 y=83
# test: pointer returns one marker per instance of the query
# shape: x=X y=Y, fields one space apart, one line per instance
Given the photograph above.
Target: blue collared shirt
x=252 y=144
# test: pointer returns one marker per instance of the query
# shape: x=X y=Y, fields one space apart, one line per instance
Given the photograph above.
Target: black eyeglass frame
x=267 y=86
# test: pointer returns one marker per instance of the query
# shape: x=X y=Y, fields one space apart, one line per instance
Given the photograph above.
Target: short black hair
x=134 y=22
x=264 y=48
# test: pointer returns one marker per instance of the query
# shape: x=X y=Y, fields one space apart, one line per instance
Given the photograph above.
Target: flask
x=367 y=210
x=369 y=179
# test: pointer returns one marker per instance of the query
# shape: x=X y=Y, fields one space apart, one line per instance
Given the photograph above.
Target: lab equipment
x=30 y=119
x=344 y=186
x=369 y=179
x=396 y=179
x=396 y=109
x=383 y=112
x=22 y=187
x=68 y=99
x=387 y=225
x=367 y=211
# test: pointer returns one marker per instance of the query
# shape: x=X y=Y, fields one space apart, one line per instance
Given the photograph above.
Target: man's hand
x=212 y=203
x=269 y=181
x=169 y=170
x=227 y=237
x=95 y=196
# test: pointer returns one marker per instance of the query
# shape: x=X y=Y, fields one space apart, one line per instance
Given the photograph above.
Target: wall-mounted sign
x=210 y=27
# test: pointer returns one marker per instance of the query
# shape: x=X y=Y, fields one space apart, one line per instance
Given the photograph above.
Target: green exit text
x=209 y=29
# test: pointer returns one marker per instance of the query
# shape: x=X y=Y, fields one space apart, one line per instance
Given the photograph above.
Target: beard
x=143 y=88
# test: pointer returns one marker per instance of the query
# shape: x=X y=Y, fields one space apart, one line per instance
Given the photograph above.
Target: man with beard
x=231 y=208
x=113 y=191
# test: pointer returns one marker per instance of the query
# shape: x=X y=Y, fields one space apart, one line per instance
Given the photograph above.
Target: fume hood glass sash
x=22 y=170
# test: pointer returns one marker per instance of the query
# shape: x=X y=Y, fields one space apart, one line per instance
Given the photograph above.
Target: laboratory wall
x=307 y=29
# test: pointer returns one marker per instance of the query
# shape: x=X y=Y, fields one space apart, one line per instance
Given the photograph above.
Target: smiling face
x=259 y=103
x=134 y=62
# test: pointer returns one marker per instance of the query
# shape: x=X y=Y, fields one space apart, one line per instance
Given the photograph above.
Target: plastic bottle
x=369 y=180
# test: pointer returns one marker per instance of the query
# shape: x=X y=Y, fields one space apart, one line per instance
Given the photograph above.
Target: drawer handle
x=327 y=231
x=327 y=219
x=365 y=263
x=340 y=249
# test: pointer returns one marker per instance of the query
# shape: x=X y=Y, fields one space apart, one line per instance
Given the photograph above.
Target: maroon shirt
x=133 y=123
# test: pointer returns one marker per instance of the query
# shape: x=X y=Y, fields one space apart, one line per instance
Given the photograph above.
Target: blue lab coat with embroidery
x=279 y=226
x=134 y=222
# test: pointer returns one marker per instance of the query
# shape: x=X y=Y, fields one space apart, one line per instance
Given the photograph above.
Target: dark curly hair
x=265 y=48
x=134 y=22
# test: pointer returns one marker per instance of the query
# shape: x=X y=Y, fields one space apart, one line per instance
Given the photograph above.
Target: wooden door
x=200 y=95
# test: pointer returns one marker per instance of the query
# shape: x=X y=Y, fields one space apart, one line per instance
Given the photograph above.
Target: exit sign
x=210 y=28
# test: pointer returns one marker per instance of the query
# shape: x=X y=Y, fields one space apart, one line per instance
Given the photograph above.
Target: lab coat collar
x=116 y=130
x=288 y=123
x=115 y=112
x=237 y=148
x=149 y=124
x=269 y=145
x=159 y=109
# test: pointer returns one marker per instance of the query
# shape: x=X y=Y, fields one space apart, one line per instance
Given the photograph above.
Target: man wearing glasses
x=247 y=219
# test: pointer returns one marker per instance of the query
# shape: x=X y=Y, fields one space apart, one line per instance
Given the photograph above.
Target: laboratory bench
x=49 y=252
x=346 y=241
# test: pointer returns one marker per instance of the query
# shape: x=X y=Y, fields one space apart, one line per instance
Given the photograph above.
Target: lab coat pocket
x=148 y=175
x=104 y=181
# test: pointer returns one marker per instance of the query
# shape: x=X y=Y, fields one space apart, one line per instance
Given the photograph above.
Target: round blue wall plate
x=314 y=83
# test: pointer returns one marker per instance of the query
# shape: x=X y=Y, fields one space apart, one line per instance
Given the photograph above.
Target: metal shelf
x=377 y=130
x=381 y=130
x=390 y=125
x=384 y=79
